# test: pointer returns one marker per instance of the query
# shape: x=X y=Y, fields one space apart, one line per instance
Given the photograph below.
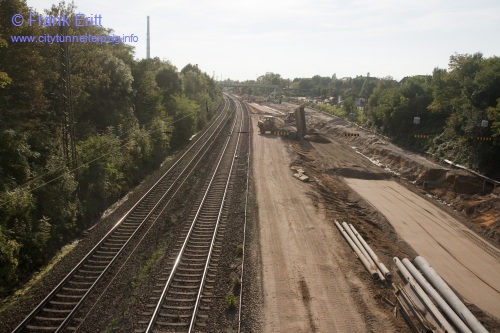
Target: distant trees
x=128 y=116
x=457 y=107
x=467 y=94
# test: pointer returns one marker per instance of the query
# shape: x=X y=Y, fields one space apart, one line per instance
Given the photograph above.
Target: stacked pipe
x=364 y=252
x=431 y=285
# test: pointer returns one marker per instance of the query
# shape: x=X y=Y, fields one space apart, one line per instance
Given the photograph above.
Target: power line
x=84 y=164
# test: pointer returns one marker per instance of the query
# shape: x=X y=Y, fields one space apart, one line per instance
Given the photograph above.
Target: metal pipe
x=433 y=310
x=448 y=311
x=362 y=249
x=372 y=254
x=361 y=257
x=450 y=297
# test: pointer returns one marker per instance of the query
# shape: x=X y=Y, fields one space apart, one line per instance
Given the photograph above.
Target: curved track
x=57 y=311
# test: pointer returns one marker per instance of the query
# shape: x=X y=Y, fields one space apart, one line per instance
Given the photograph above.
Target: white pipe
x=361 y=257
x=372 y=254
x=433 y=310
x=450 y=297
x=459 y=324
x=362 y=249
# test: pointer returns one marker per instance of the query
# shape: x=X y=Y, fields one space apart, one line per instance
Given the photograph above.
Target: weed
x=156 y=257
x=236 y=284
x=239 y=249
x=8 y=301
x=111 y=326
x=231 y=301
x=172 y=219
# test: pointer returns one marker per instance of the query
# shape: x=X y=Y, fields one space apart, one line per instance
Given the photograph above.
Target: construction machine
x=267 y=123
x=290 y=118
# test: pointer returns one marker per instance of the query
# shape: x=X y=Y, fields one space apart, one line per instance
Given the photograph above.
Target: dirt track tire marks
x=298 y=243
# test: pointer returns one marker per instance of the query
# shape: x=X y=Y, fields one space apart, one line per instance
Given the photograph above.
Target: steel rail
x=167 y=203
x=212 y=243
x=178 y=258
x=245 y=221
x=71 y=274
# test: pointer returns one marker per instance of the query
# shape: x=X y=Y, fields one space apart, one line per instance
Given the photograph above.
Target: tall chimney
x=148 y=44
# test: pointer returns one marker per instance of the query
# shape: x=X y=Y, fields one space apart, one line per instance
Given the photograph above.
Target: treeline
x=453 y=113
x=127 y=115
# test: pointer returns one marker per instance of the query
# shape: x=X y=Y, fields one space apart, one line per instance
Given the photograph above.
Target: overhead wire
x=80 y=166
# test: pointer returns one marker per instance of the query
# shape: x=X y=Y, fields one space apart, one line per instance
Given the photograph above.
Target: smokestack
x=148 y=44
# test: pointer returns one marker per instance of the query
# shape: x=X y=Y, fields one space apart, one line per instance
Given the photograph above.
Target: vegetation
x=239 y=250
x=457 y=109
x=236 y=284
x=231 y=301
x=56 y=176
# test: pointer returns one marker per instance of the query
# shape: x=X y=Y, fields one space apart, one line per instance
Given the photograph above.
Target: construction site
x=325 y=186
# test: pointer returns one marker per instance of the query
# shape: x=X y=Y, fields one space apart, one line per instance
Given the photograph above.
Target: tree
x=9 y=254
x=101 y=177
x=123 y=114
x=22 y=101
x=169 y=81
x=184 y=121
x=5 y=80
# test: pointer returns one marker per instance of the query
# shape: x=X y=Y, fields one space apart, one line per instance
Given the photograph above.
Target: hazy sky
x=296 y=38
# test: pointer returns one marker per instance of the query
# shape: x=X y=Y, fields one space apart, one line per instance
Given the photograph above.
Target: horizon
x=246 y=40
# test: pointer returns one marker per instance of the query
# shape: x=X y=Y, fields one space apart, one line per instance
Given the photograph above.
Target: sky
x=241 y=40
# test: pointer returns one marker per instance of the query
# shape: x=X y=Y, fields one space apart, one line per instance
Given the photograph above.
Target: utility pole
x=66 y=103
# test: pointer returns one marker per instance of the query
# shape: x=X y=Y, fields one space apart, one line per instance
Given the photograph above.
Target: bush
x=236 y=284
x=231 y=301
x=239 y=249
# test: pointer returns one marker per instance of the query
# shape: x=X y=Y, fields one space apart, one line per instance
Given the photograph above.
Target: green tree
x=5 y=80
x=57 y=201
x=380 y=104
x=101 y=177
x=9 y=254
x=184 y=120
x=22 y=101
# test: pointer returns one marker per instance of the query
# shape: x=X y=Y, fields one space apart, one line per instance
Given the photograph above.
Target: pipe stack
x=364 y=252
x=428 y=285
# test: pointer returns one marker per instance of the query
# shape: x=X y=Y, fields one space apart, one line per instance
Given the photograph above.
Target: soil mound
x=359 y=173
x=318 y=138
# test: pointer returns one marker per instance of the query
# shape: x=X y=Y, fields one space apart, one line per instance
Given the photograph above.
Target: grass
x=231 y=301
x=239 y=249
x=111 y=326
x=236 y=284
x=155 y=258
x=172 y=219
x=8 y=301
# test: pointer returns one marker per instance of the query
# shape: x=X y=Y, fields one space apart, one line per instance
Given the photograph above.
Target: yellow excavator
x=267 y=123
x=290 y=119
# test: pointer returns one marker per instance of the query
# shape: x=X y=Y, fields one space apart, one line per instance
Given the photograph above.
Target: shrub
x=231 y=301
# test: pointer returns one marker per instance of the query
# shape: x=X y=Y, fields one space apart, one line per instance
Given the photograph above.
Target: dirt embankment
x=478 y=202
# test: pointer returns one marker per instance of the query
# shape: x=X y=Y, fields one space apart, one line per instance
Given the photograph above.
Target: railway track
x=56 y=313
x=185 y=289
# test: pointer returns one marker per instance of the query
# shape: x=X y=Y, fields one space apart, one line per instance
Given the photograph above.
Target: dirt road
x=469 y=264
x=308 y=284
x=296 y=235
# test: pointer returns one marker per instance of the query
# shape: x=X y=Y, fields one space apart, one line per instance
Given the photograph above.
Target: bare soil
x=329 y=155
x=311 y=281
